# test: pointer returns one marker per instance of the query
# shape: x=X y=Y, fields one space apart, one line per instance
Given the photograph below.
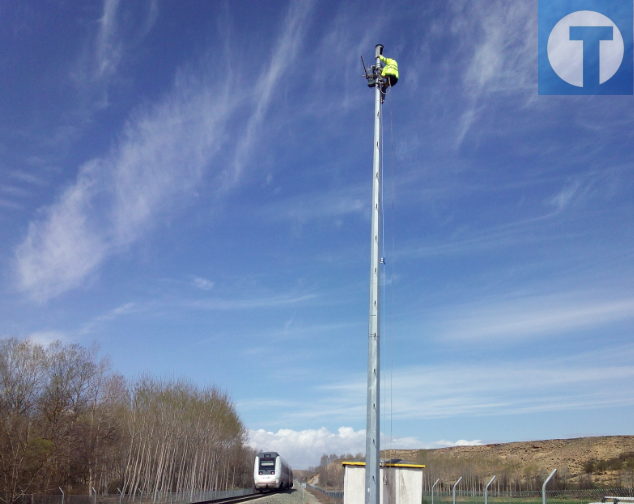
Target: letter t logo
x=591 y=37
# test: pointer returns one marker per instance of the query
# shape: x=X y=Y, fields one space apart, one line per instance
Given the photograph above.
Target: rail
x=233 y=500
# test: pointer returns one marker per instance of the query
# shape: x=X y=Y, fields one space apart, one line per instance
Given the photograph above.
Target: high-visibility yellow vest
x=390 y=68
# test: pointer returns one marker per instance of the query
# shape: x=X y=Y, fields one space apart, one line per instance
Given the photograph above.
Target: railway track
x=235 y=500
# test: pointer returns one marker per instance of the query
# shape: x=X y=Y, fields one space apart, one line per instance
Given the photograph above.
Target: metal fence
x=336 y=495
x=185 y=497
x=523 y=497
x=528 y=497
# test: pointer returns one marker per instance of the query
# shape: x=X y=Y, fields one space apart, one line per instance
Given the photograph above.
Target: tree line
x=476 y=471
x=511 y=477
x=330 y=471
x=67 y=420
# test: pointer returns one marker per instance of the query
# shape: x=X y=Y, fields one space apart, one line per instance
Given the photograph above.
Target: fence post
x=95 y=492
x=432 y=491
x=544 y=486
x=486 y=491
x=60 y=489
x=454 y=489
x=120 y=494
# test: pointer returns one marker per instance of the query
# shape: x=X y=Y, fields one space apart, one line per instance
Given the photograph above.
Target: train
x=271 y=472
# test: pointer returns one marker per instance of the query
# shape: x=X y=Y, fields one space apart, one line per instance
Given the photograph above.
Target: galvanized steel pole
x=432 y=490
x=454 y=489
x=486 y=491
x=372 y=445
x=544 y=486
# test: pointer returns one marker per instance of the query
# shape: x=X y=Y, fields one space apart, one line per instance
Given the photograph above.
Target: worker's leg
x=383 y=87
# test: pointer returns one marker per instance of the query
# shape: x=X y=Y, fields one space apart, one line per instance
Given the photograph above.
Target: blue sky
x=188 y=184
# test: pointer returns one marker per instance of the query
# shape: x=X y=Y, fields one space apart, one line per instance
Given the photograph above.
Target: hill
x=590 y=461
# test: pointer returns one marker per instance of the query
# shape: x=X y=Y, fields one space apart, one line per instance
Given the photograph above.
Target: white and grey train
x=271 y=472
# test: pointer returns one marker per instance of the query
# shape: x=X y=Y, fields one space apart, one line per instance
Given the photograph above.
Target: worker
x=389 y=74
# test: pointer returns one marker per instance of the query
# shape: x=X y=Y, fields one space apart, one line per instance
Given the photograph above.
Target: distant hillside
x=580 y=462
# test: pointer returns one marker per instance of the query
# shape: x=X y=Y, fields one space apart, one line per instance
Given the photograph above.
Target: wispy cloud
x=485 y=388
x=113 y=314
x=249 y=303
x=497 y=238
x=60 y=251
x=108 y=47
x=282 y=58
x=573 y=192
x=302 y=209
x=504 y=46
x=7 y=203
x=164 y=150
x=202 y=283
x=498 y=53
x=513 y=319
x=574 y=382
x=45 y=338
x=27 y=177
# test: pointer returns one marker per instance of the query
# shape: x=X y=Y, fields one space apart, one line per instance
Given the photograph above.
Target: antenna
x=369 y=73
x=365 y=69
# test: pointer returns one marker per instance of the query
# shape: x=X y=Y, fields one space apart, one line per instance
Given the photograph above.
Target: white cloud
x=28 y=178
x=563 y=199
x=478 y=389
x=323 y=205
x=509 y=320
x=45 y=338
x=498 y=53
x=10 y=204
x=113 y=314
x=108 y=50
x=464 y=442
x=203 y=283
x=163 y=152
x=247 y=303
x=504 y=43
x=304 y=448
x=282 y=57
x=60 y=251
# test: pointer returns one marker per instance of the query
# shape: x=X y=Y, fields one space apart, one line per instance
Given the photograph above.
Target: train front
x=265 y=475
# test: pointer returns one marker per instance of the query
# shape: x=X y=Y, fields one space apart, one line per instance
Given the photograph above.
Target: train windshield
x=267 y=465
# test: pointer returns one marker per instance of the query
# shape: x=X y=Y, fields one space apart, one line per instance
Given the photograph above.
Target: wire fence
x=473 y=497
x=336 y=495
x=185 y=497
x=530 y=497
x=523 y=497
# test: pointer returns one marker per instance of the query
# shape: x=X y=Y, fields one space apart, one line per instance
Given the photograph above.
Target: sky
x=188 y=184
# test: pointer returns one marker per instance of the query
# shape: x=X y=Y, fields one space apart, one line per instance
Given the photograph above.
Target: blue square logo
x=585 y=47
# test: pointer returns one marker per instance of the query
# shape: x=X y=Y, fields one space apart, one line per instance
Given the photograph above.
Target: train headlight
x=260 y=472
x=272 y=472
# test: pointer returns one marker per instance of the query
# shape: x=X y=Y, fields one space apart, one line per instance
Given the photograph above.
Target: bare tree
x=67 y=420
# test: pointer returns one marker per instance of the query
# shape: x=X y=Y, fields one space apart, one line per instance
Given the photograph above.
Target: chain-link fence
x=336 y=495
x=523 y=497
x=184 y=497
x=530 y=497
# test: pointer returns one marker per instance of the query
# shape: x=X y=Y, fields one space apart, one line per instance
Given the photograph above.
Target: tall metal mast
x=372 y=444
